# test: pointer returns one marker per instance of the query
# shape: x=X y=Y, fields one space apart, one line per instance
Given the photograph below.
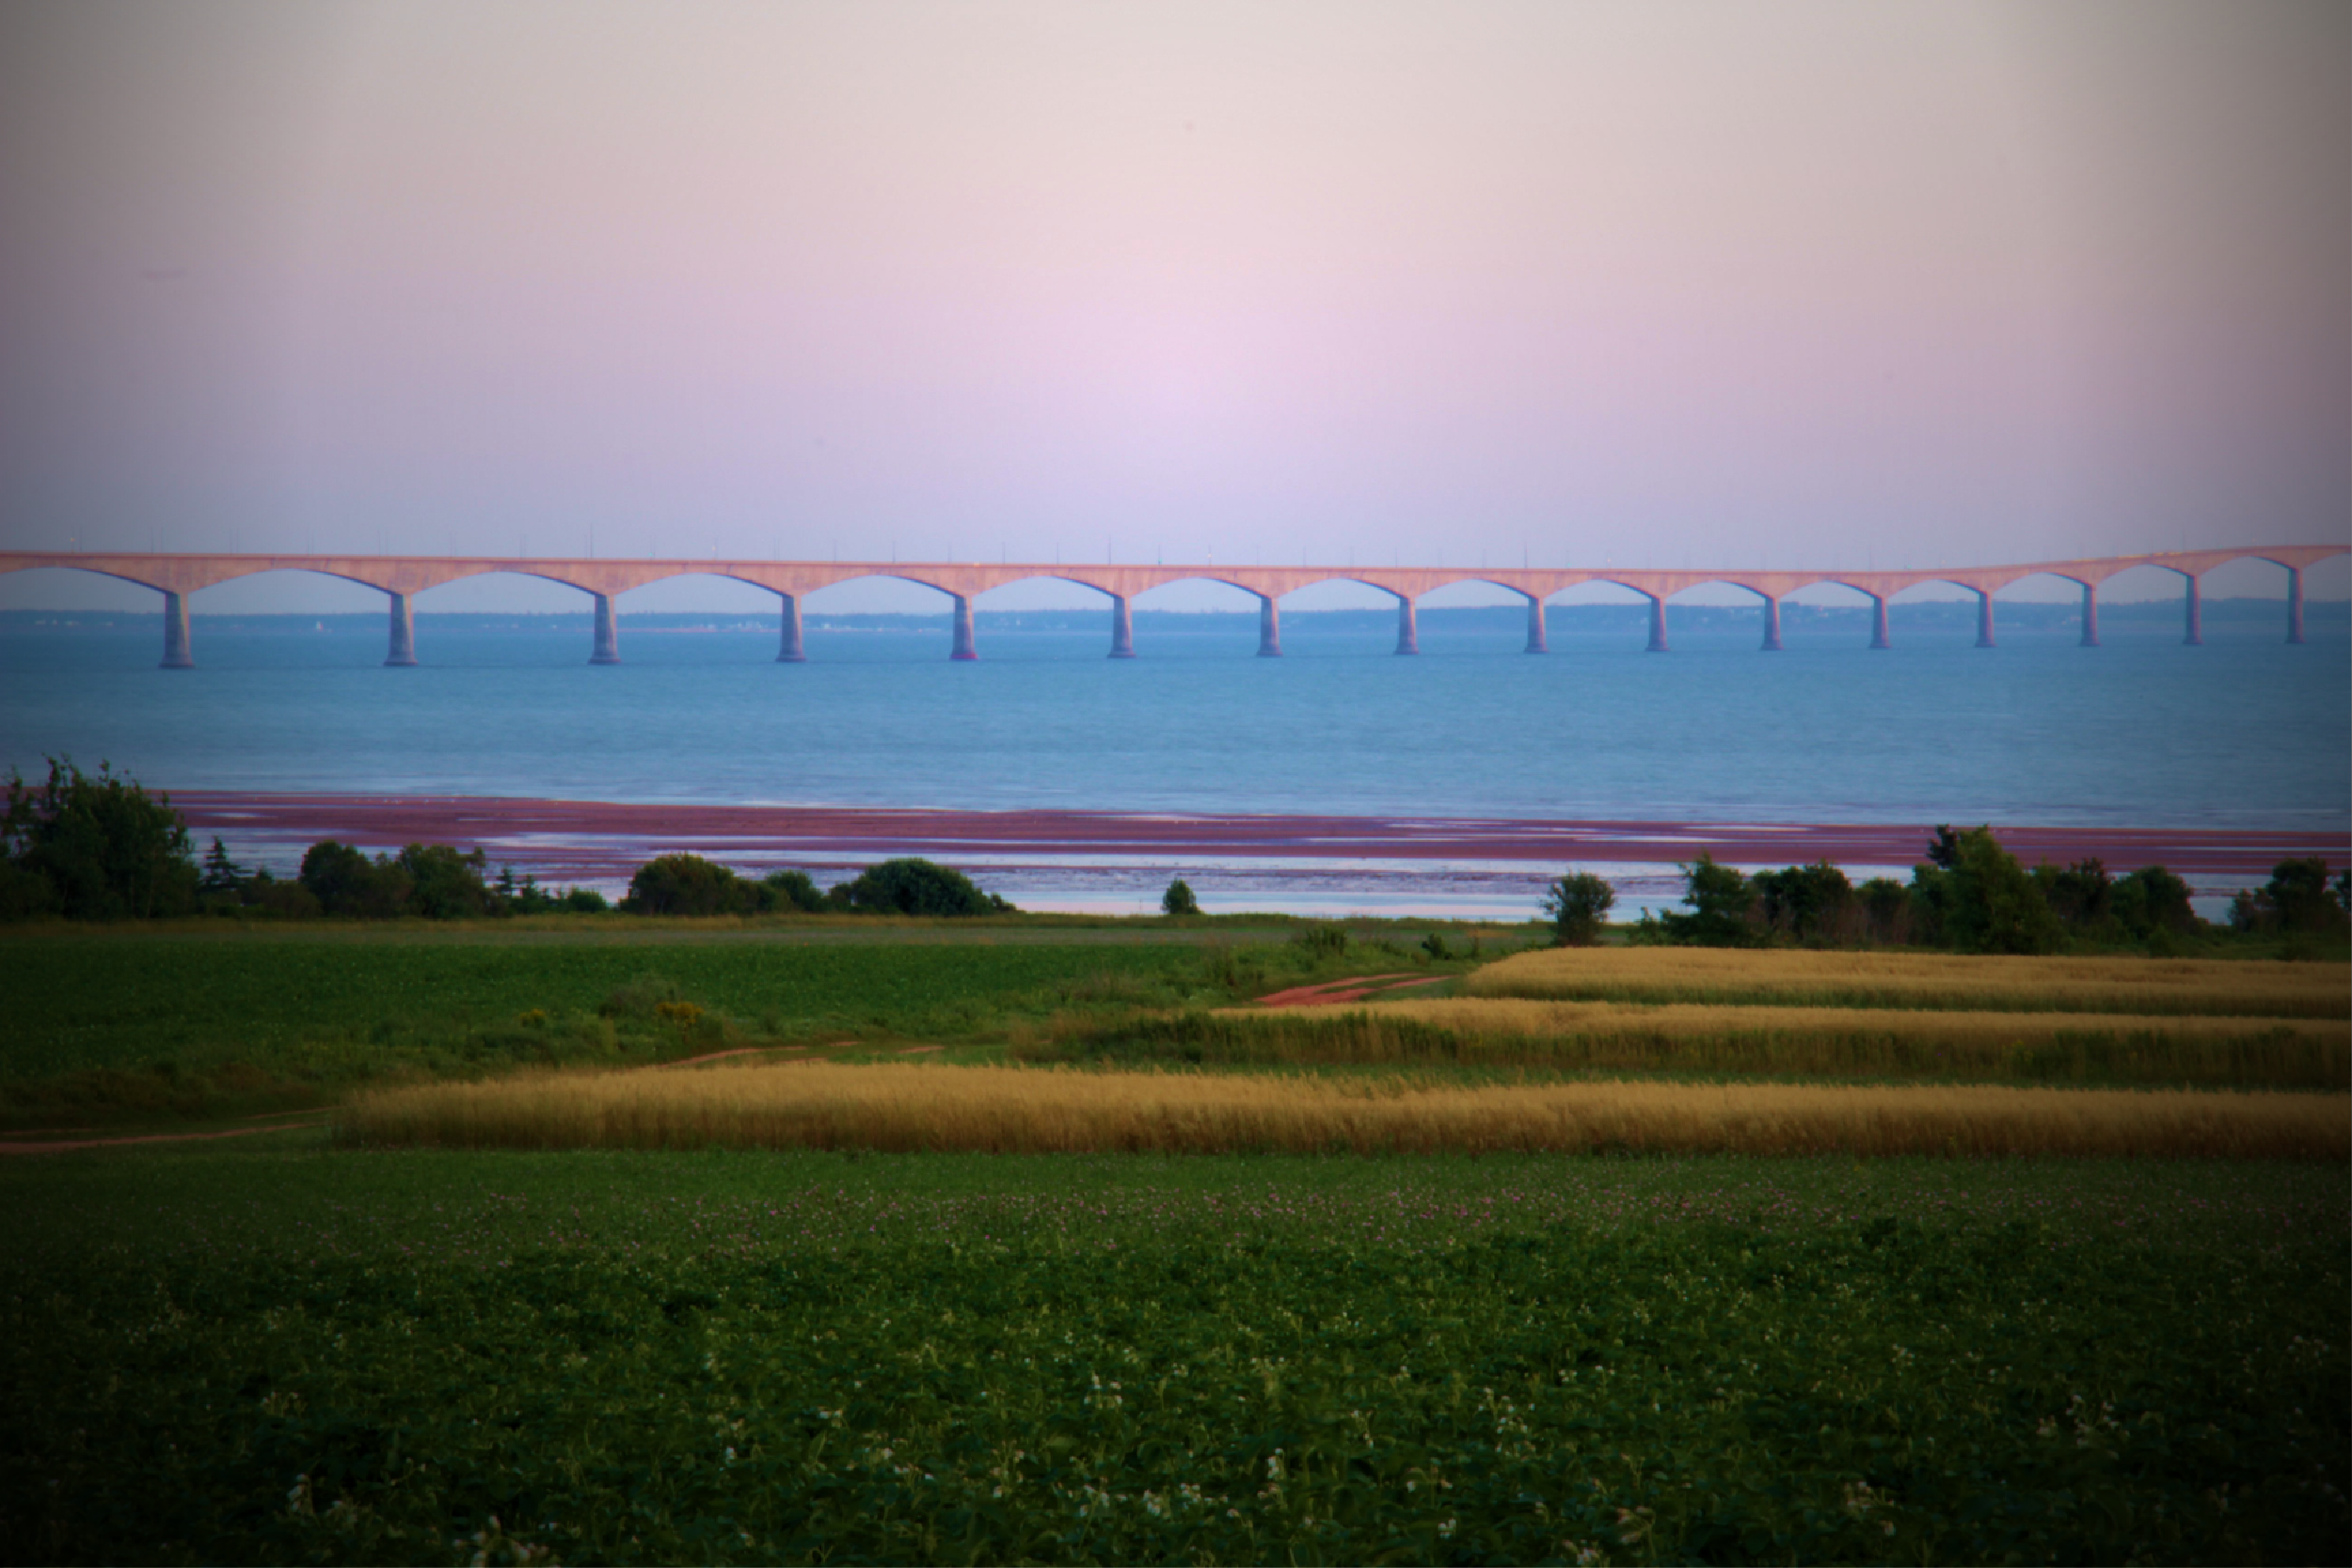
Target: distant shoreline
x=603 y=842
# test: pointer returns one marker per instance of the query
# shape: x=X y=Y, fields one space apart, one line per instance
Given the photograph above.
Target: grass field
x=1798 y=978
x=201 y=1020
x=261 y=1357
x=298 y=1347
x=1014 y=1111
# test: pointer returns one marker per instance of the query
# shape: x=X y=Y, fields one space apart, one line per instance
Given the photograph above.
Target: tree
x=1575 y=906
x=2082 y=895
x=1720 y=899
x=2150 y=901
x=221 y=874
x=94 y=849
x=1805 y=902
x=1975 y=898
x=686 y=885
x=792 y=889
x=1178 y=899
x=913 y=886
x=2300 y=897
x=446 y=884
x=347 y=882
x=1885 y=903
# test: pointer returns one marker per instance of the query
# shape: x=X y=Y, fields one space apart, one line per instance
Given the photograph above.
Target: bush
x=918 y=887
x=1178 y=899
x=1804 y=902
x=1720 y=899
x=585 y=900
x=93 y=849
x=2149 y=902
x=446 y=884
x=2297 y=898
x=346 y=882
x=687 y=885
x=1576 y=905
x=791 y=890
x=1974 y=897
x=1885 y=909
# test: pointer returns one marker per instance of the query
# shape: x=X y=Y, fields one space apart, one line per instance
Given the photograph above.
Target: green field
x=293 y=1354
x=197 y=1020
x=272 y=1349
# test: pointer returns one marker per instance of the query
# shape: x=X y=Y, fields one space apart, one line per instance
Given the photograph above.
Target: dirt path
x=1332 y=991
x=68 y=1145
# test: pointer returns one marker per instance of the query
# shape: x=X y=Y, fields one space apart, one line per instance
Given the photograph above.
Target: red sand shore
x=592 y=839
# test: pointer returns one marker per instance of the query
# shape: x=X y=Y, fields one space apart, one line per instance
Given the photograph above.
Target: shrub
x=1322 y=942
x=2151 y=900
x=918 y=887
x=93 y=849
x=347 y=882
x=1720 y=899
x=687 y=885
x=1885 y=909
x=1178 y=899
x=791 y=890
x=446 y=884
x=1576 y=905
x=1974 y=897
x=1805 y=902
x=585 y=900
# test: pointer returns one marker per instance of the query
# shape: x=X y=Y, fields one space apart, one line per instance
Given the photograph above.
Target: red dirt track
x=566 y=840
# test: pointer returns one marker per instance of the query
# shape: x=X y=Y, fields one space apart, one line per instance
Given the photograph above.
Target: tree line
x=83 y=847
x=1968 y=895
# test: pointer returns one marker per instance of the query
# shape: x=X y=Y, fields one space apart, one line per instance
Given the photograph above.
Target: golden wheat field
x=1503 y=1015
x=2231 y=988
x=1015 y=1110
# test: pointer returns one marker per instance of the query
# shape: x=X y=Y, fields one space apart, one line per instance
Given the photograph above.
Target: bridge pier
x=1878 y=621
x=2294 y=604
x=2195 y=637
x=1984 y=618
x=2091 y=616
x=1535 y=641
x=608 y=649
x=1658 y=625
x=1269 y=628
x=789 y=640
x=403 y=654
x=1772 y=625
x=963 y=648
x=1123 y=629
x=177 y=651
x=1407 y=628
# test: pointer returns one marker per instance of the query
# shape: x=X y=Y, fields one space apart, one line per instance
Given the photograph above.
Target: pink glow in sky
x=1662 y=283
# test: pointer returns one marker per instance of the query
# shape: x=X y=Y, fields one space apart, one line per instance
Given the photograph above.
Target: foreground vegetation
x=304 y=1357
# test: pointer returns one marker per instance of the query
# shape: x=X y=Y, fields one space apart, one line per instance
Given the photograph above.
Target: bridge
x=402 y=577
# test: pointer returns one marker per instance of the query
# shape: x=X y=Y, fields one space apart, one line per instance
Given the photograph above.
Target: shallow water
x=2243 y=731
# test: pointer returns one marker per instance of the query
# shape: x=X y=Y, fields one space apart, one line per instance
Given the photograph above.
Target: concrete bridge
x=402 y=577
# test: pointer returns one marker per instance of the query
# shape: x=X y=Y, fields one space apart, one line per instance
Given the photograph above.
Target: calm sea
x=2243 y=732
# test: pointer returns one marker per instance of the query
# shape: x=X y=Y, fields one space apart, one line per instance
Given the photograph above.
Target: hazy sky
x=1657 y=283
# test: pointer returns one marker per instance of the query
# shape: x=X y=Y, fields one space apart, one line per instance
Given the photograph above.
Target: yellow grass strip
x=2248 y=988
x=1693 y=1022
x=1013 y=1110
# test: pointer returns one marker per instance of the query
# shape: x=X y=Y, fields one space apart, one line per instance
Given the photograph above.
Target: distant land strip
x=606 y=841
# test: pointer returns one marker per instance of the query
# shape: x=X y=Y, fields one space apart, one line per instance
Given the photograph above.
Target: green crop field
x=233 y=1353
x=199 y=1021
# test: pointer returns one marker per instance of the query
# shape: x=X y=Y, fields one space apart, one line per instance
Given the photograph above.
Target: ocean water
x=2243 y=731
